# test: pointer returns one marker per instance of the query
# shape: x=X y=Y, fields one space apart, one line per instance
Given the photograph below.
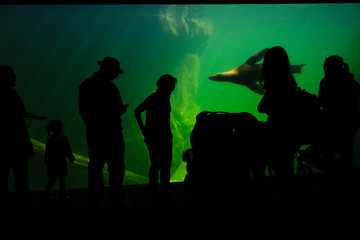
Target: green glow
x=53 y=48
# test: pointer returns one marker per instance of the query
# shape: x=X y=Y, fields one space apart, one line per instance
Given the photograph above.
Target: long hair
x=276 y=70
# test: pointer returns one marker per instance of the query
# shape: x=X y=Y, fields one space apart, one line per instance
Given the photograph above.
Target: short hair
x=54 y=126
x=7 y=75
x=166 y=81
x=334 y=64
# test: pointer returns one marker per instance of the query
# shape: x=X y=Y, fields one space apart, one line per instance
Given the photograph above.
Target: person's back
x=279 y=141
x=99 y=101
x=339 y=96
x=158 y=116
x=279 y=101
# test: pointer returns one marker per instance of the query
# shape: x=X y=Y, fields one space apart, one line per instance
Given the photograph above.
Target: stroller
x=224 y=151
x=309 y=158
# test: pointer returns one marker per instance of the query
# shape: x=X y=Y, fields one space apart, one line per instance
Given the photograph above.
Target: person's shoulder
x=153 y=96
x=325 y=81
x=65 y=138
x=84 y=84
x=88 y=82
x=353 y=81
x=9 y=92
x=356 y=86
x=50 y=140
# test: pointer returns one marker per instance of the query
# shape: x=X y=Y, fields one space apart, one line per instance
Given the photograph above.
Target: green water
x=53 y=48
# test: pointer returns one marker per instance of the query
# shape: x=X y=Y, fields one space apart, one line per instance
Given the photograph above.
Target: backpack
x=308 y=112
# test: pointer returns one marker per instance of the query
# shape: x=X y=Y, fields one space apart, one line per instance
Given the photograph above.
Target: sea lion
x=248 y=74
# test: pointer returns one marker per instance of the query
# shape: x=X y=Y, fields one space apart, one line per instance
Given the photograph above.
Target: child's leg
x=62 y=187
x=49 y=185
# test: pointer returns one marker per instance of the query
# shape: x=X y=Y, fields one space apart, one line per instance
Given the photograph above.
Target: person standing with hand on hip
x=158 y=135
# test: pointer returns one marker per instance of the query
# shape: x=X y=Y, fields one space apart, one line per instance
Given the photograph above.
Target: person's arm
x=34 y=116
x=262 y=106
x=46 y=155
x=123 y=109
x=324 y=97
x=68 y=152
x=141 y=108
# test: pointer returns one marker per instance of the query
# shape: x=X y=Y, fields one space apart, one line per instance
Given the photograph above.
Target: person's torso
x=158 y=116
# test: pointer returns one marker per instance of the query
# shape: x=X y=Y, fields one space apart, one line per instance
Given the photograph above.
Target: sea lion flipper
x=297 y=68
x=256 y=88
x=257 y=57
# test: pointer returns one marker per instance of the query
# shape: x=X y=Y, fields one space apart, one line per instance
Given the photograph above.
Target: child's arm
x=68 y=152
x=47 y=150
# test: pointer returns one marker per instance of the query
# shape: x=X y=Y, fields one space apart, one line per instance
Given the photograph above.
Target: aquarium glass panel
x=53 y=48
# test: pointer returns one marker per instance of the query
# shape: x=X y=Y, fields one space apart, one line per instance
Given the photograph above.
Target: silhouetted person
x=279 y=104
x=56 y=152
x=158 y=135
x=16 y=146
x=101 y=108
x=339 y=96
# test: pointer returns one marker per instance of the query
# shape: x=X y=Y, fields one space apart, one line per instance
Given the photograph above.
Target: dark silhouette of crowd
x=235 y=147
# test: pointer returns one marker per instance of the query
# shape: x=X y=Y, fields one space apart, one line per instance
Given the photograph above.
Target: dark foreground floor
x=191 y=215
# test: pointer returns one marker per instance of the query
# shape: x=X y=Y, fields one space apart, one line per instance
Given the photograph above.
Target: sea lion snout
x=214 y=77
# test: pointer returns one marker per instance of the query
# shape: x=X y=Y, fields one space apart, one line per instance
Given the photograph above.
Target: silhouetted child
x=56 y=152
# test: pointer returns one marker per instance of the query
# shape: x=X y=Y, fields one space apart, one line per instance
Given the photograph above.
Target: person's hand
x=124 y=108
x=41 y=118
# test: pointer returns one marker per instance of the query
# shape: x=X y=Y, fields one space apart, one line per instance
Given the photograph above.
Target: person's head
x=334 y=66
x=166 y=83
x=7 y=77
x=55 y=127
x=276 y=69
x=110 y=68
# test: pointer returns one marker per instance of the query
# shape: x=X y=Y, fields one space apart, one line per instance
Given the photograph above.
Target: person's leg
x=4 y=184
x=153 y=183
x=49 y=186
x=116 y=166
x=21 y=188
x=62 y=183
x=283 y=165
x=95 y=166
x=96 y=181
x=165 y=183
x=166 y=159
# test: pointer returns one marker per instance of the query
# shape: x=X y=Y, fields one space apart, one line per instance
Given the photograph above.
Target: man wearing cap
x=101 y=108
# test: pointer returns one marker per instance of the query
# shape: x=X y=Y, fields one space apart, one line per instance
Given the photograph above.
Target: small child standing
x=56 y=152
